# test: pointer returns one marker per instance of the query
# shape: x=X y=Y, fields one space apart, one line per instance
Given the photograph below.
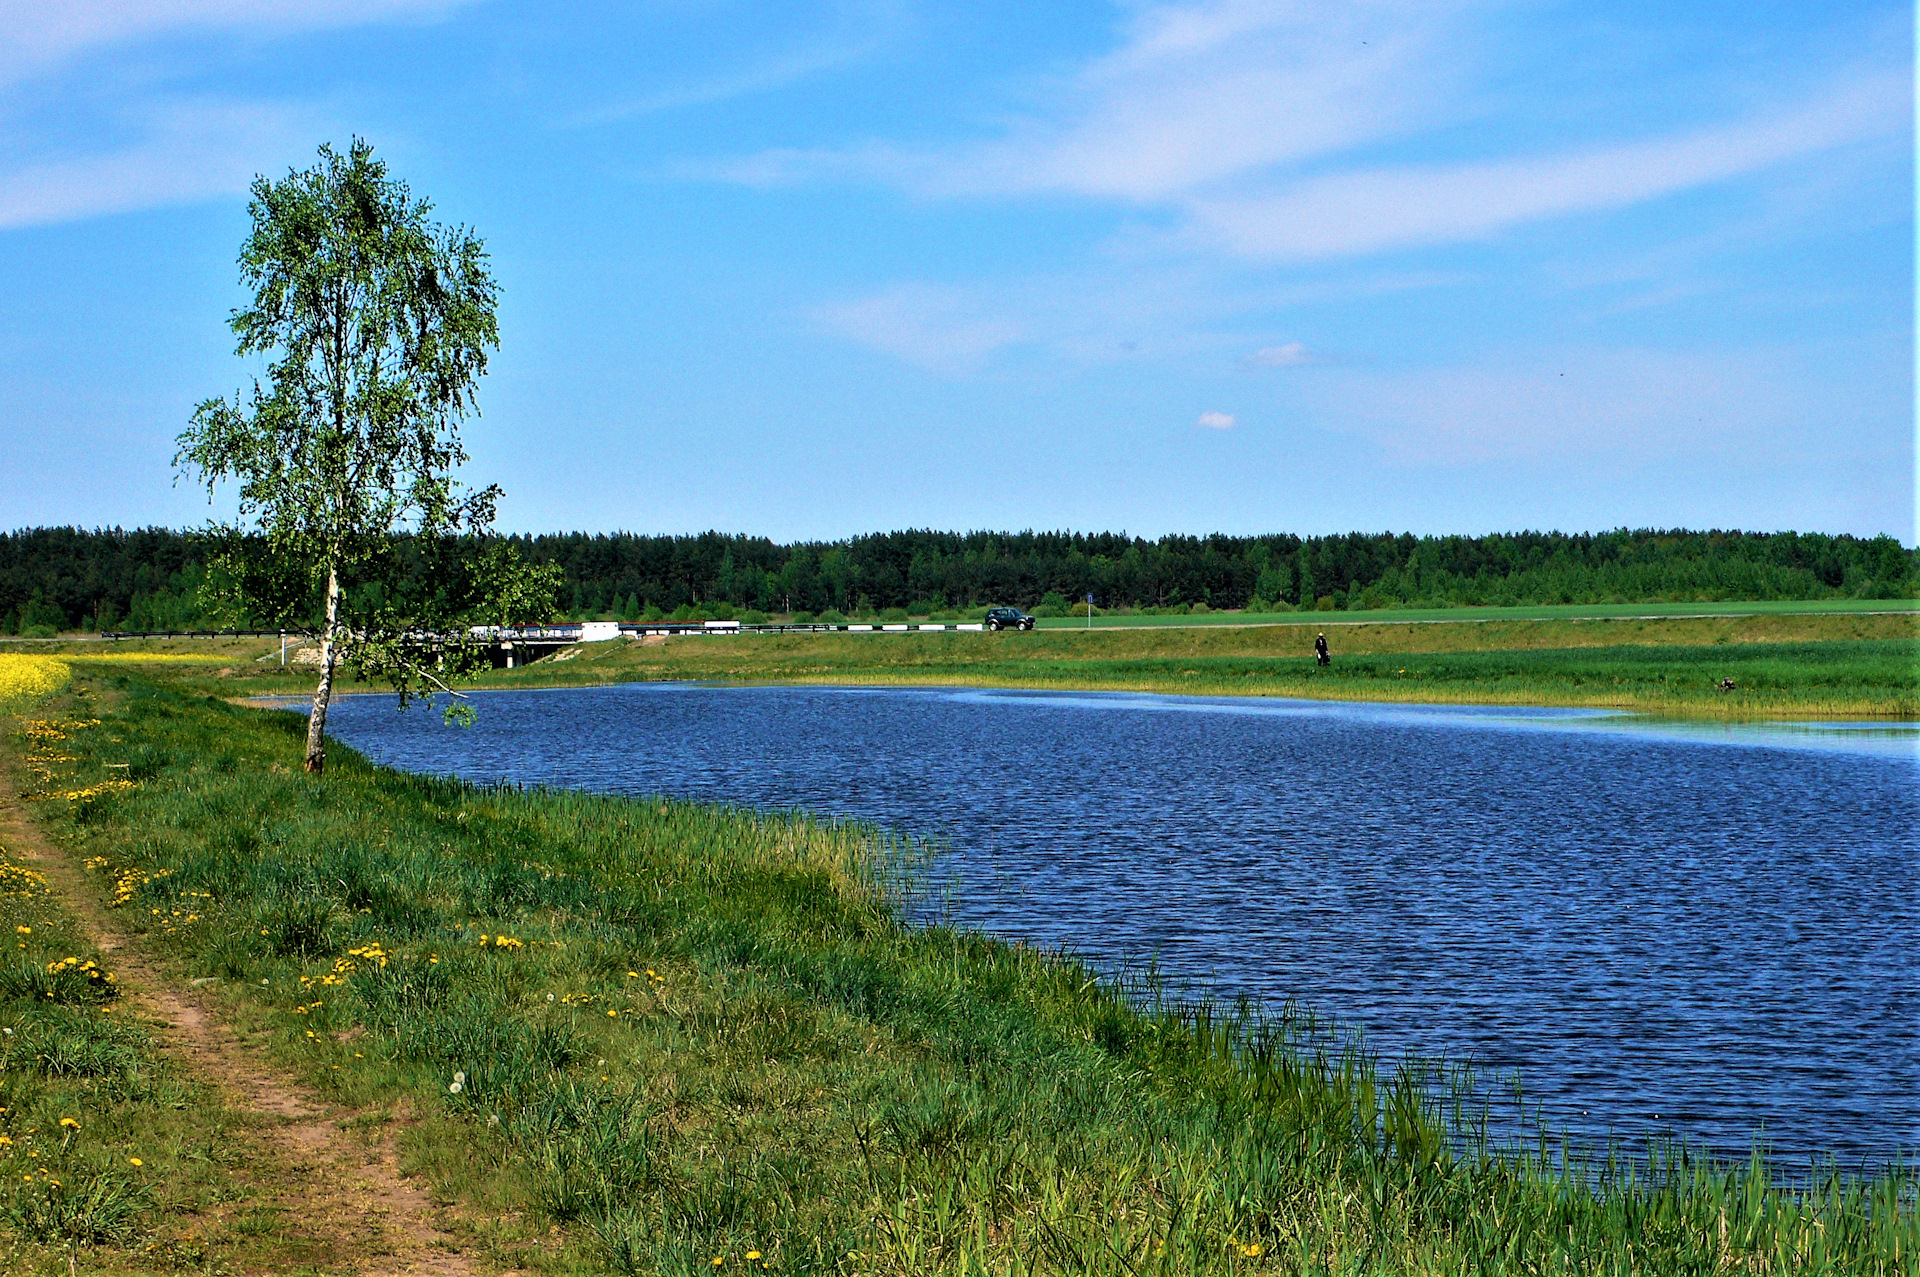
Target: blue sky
x=813 y=270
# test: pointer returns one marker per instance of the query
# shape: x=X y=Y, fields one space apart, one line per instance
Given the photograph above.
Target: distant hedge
x=62 y=578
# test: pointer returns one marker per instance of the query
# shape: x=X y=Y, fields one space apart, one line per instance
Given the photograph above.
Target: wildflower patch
x=27 y=680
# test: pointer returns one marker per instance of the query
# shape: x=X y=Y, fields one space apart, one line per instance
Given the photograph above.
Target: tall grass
x=692 y=1038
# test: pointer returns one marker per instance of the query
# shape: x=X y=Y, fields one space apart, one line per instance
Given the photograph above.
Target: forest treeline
x=152 y=578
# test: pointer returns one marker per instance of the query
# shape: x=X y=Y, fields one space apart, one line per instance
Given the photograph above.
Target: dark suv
x=1008 y=618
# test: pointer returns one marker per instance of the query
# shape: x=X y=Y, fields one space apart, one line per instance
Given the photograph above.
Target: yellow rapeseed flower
x=25 y=679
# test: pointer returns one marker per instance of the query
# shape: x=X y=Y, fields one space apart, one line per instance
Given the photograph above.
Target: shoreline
x=1358 y=696
x=732 y=995
x=1782 y=716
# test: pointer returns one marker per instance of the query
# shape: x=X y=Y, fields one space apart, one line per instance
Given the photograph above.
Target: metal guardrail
x=572 y=632
x=145 y=634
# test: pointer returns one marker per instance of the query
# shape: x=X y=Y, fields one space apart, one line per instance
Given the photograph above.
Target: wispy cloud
x=945 y=330
x=1292 y=354
x=189 y=151
x=38 y=35
x=1252 y=123
x=150 y=145
x=1216 y=421
x=1199 y=95
x=1597 y=405
x=1117 y=311
x=854 y=31
x=764 y=77
x=1191 y=97
x=1376 y=210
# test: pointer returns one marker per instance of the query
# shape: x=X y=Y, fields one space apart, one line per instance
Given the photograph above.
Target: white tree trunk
x=329 y=656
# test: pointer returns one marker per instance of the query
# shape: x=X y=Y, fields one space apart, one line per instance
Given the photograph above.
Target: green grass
x=1783 y=667
x=105 y=1146
x=1786 y=662
x=1541 y=612
x=707 y=1037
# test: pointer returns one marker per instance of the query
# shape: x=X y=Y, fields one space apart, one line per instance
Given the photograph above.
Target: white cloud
x=1192 y=96
x=1293 y=354
x=775 y=73
x=37 y=35
x=1198 y=95
x=191 y=150
x=945 y=330
x=1119 y=310
x=1592 y=406
x=1217 y=112
x=852 y=31
x=1217 y=420
x=167 y=148
x=1382 y=209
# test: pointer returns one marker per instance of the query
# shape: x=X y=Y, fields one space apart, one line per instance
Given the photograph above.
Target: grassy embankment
x=1532 y=612
x=660 y=1037
x=1783 y=666
x=101 y=1135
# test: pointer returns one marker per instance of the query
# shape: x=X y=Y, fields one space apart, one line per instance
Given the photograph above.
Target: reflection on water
x=1701 y=928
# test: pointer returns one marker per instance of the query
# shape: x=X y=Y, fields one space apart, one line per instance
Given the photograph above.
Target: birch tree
x=375 y=323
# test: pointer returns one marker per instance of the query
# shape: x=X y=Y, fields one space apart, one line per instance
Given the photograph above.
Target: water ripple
x=1702 y=929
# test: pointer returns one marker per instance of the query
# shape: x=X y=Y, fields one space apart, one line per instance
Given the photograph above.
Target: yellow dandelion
x=134 y=1161
x=70 y=1123
x=753 y=1254
x=25 y=931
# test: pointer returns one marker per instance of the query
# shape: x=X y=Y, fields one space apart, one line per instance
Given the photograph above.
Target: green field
x=655 y=1037
x=1783 y=666
x=1785 y=663
x=1544 y=612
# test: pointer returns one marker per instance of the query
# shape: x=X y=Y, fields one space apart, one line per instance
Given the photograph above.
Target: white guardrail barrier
x=602 y=631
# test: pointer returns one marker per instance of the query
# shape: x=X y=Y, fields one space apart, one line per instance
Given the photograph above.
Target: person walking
x=1320 y=650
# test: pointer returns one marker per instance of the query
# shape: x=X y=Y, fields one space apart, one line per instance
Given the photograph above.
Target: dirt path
x=342 y=1188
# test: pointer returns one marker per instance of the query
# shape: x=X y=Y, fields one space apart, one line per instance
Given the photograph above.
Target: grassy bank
x=1537 y=612
x=646 y=1036
x=113 y=1158
x=1782 y=666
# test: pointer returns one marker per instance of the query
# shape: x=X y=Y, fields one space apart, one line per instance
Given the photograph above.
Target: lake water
x=1703 y=930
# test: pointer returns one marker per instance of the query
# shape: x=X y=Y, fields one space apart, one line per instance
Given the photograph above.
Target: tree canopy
x=375 y=322
x=58 y=578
